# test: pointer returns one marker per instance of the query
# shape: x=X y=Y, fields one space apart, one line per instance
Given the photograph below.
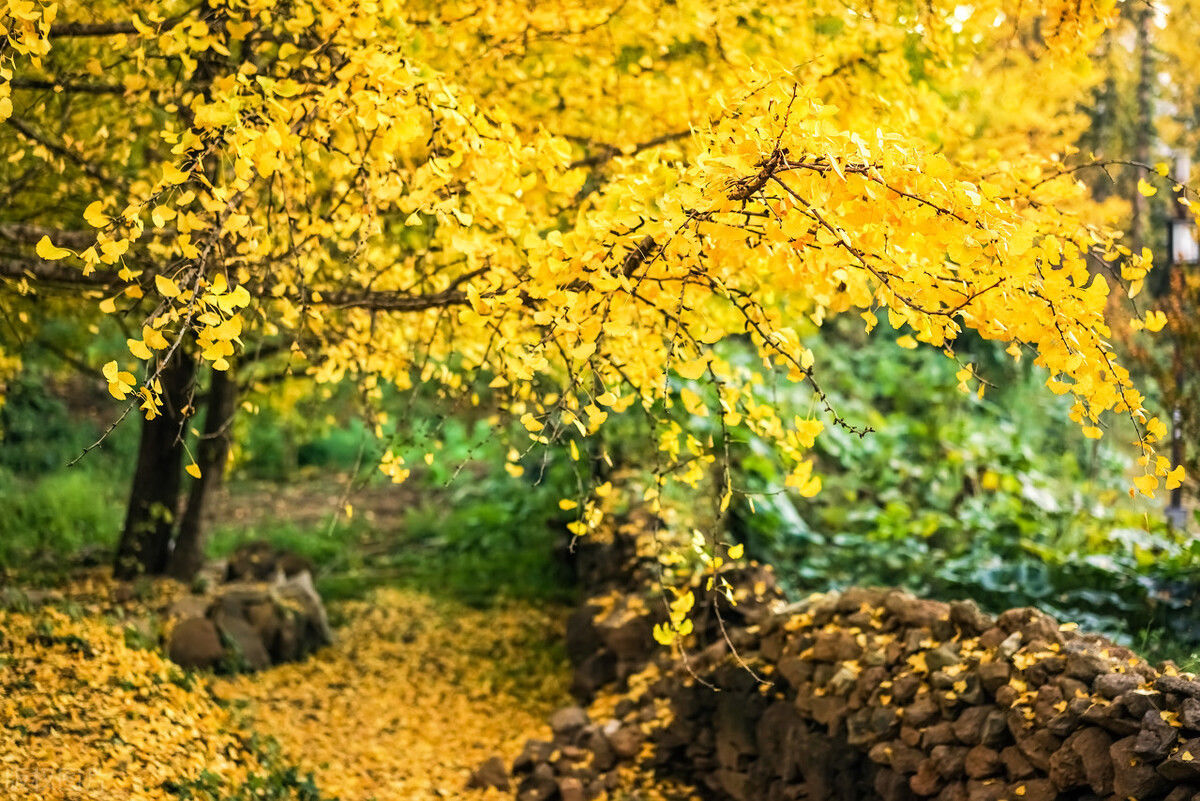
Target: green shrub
x=57 y=514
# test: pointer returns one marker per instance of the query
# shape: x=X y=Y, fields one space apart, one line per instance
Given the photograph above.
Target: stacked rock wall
x=866 y=694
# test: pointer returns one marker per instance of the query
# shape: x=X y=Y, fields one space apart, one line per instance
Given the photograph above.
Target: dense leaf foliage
x=567 y=203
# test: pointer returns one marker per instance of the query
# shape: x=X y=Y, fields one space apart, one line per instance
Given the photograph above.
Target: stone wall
x=866 y=694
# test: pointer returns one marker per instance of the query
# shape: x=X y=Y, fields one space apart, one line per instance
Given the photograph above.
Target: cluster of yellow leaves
x=87 y=716
x=576 y=201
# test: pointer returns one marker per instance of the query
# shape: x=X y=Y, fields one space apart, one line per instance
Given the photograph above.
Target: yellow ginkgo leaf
x=94 y=215
x=193 y=470
x=166 y=287
x=736 y=551
x=49 y=251
x=138 y=348
x=1146 y=188
x=1175 y=477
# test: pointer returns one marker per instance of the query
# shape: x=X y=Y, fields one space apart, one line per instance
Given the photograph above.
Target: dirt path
x=414 y=694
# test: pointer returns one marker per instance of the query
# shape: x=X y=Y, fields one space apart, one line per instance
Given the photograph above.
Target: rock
x=603 y=756
x=938 y=734
x=1189 y=714
x=1010 y=645
x=1038 y=747
x=969 y=727
x=1016 y=766
x=1032 y=623
x=969 y=618
x=1093 y=746
x=1035 y=790
x=1184 y=764
x=836 y=646
x=195 y=643
x=541 y=785
x=1178 y=685
x=1066 y=768
x=868 y=726
x=491 y=773
x=950 y=760
x=986 y=790
x=732 y=783
x=1156 y=739
x=1110 y=716
x=942 y=656
x=1085 y=666
x=187 y=606
x=994 y=729
x=534 y=753
x=982 y=762
x=927 y=780
x=994 y=675
x=571 y=789
x=629 y=636
x=290 y=563
x=626 y=742
x=1132 y=776
x=596 y=671
x=1111 y=685
x=1138 y=702
x=264 y=617
x=921 y=712
x=246 y=643
x=299 y=590
x=568 y=721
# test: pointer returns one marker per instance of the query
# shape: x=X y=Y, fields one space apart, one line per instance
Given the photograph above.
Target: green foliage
x=40 y=435
x=61 y=513
x=954 y=496
x=466 y=526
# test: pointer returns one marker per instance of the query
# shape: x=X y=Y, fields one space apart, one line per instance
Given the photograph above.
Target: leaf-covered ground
x=85 y=715
x=414 y=694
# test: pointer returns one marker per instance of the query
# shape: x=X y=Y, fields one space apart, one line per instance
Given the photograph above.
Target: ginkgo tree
x=564 y=202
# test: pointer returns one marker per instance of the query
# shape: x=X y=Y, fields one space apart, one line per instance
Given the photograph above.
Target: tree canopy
x=565 y=202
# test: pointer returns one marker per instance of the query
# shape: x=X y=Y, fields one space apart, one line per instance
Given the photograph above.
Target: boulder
x=195 y=643
x=491 y=773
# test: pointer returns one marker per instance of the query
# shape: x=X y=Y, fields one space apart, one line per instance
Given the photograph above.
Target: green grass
x=57 y=514
x=475 y=551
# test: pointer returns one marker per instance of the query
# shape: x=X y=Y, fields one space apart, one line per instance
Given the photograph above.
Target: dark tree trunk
x=211 y=455
x=1143 y=132
x=154 y=497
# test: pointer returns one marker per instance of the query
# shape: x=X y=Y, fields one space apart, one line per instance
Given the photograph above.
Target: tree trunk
x=211 y=455
x=1144 y=124
x=154 y=497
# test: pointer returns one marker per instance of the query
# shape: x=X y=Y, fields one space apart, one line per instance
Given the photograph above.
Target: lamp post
x=1184 y=250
